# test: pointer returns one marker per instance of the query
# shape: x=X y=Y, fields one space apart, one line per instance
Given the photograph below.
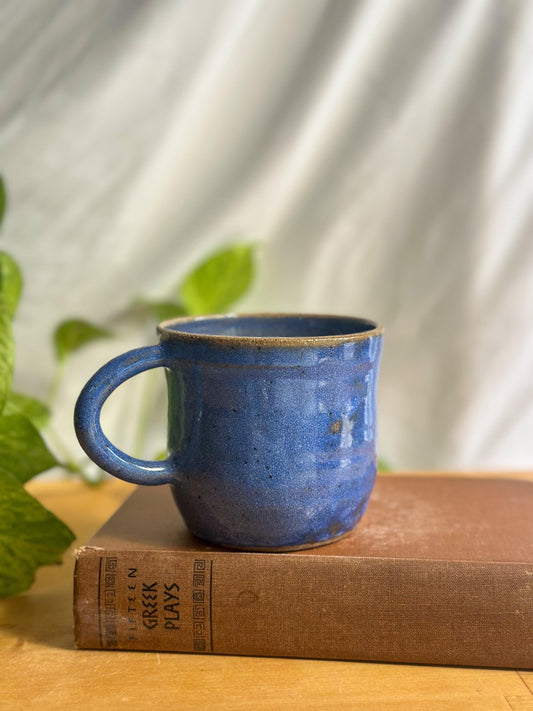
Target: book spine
x=414 y=611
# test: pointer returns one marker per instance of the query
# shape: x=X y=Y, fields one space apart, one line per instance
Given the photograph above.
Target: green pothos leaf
x=20 y=404
x=73 y=334
x=10 y=282
x=383 y=465
x=7 y=352
x=30 y=536
x=23 y=453
x=163 y=310
x=218 y=282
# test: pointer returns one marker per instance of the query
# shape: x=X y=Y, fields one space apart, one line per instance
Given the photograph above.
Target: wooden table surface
x=41 y=669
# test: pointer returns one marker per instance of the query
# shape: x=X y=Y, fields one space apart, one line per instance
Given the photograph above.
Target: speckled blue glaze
x=272 y=425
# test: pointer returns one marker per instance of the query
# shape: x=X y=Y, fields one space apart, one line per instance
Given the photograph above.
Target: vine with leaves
x=30 y=535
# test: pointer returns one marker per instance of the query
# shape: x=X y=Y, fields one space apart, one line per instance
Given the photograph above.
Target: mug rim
x=167 y=333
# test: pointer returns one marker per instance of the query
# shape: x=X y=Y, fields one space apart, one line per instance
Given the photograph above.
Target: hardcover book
x=438 y=571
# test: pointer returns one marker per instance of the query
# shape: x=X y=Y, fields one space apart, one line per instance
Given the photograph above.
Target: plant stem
x=57 y=378
x=67 y=460
x=145 y=411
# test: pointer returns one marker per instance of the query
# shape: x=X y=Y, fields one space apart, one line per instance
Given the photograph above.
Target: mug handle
x=87 y=418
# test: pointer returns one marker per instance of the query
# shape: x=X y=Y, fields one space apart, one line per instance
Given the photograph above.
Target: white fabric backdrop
x=380 y=151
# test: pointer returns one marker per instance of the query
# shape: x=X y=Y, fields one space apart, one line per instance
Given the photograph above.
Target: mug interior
x=272 y=326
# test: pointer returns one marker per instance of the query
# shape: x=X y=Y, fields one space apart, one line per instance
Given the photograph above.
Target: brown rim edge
x=170 y=334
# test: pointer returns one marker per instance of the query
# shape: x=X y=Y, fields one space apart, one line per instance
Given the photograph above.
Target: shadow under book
x=438 y=571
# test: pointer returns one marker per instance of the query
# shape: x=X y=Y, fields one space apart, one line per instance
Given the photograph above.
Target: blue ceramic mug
x=271 y=425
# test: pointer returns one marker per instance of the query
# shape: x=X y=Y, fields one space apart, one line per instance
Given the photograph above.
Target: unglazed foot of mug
x=282 y=549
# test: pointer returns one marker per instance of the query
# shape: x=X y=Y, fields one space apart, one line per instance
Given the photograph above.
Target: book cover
x=438 y=571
